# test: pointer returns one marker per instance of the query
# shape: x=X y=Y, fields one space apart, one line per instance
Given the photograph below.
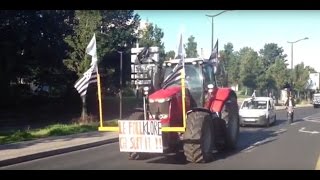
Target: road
x=281 y=146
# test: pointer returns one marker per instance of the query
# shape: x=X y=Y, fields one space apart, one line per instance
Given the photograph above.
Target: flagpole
x=183 y=89
x=84 y=109
x=99 y=96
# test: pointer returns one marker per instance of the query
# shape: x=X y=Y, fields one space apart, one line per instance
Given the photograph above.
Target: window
x=208 y=75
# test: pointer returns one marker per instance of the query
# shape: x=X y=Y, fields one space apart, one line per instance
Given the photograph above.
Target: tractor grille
x=159 y=108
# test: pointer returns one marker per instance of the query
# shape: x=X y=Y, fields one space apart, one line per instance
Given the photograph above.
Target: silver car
x=257 y=111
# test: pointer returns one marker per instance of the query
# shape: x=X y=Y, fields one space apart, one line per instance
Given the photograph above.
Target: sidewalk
x=30 y=150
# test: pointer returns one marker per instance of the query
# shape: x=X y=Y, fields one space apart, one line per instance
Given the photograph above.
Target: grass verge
x=51 y=130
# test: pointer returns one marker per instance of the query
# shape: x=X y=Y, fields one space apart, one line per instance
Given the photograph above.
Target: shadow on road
x=249 y=138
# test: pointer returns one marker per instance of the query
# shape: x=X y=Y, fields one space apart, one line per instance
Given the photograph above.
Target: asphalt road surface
x=281 y=146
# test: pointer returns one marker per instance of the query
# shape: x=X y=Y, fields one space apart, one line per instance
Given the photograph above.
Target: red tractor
x=212 y=116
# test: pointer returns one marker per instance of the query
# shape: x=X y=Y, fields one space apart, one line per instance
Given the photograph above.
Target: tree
x=119 y=33
x=170 y=54
x=86 y=23
x=230 y=65
x=152 y=36
x=280 y=74
x=119 y=28
x=191 y=48
x=270 y=53
x=300 y=78
x=265 y=83
x=250 y=67
x=115 y=30
x=33 y=48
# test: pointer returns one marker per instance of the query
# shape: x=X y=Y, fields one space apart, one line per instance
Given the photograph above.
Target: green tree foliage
x=86 y=23
x=300 y=77
x=191 y=48
x=119 y=29
x=279 y=72
x=231 y=64
x=115 y=30
x=270 y=53
x=170 y=54
x=32 y=47
x=152 y=36
x=250 y=67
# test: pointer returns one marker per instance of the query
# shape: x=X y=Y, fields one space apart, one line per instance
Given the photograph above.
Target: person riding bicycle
x=290 y=104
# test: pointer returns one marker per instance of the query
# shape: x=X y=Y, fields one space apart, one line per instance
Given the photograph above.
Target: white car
x=257 y=111
x=316 y=100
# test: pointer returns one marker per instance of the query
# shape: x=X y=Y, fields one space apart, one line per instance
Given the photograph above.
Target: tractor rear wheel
x=136 y=116
x=199 y=137
x=230 y=113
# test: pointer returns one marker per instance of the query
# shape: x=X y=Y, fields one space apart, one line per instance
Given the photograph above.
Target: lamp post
x=292 y=42
x=120 y=93
x=212 y=23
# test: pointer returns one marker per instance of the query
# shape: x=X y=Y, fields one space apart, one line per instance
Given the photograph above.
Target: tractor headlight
x=162 y=100
x=163 y=116
x=145 y=90
x=210 y=88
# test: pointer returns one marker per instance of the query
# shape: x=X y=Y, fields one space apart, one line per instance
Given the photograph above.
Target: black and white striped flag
x=175 y=74
x=214 y=56
x=90 y=76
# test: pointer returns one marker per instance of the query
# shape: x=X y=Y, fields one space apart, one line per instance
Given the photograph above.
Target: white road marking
x=310 y=132
x=280 y=131
x=294 y=123
x=317 y=114
x=313 y=118
x=316 y=121
x=255 y=145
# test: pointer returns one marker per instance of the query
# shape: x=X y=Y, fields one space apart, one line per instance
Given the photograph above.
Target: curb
x=44 y=154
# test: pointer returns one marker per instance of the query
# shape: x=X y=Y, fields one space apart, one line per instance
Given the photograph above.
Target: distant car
x=316 y=100
x=257 y=111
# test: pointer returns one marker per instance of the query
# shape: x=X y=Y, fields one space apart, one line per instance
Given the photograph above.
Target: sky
x=243 y=28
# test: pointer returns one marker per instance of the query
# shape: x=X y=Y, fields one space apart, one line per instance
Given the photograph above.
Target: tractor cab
x=199 y=74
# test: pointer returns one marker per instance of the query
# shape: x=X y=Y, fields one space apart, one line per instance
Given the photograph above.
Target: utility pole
x=292 y=42
x=212 y=23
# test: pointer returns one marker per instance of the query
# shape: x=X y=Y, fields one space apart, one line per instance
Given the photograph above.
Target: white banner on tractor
x=140 y=136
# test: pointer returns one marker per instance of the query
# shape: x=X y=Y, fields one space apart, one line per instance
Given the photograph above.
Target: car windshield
x=254 y=105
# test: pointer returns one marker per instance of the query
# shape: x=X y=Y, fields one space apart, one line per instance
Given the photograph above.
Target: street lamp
x=292 y=48
x=212 y=17
x=292 y=42
x=120 y=94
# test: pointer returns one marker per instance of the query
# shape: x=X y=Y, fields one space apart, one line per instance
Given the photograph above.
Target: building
x=313 y=82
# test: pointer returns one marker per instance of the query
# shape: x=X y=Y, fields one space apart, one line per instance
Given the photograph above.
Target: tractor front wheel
x=230 y=113
x=199 y=137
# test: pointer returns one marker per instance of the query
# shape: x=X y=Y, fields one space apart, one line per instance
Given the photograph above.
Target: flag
x=90 y=76
x=214 y=54
x=175 y=74
x=92 y=50
x=214 y=57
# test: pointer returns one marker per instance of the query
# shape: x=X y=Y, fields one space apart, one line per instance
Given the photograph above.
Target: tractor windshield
x=193 y=81
x=193 y=76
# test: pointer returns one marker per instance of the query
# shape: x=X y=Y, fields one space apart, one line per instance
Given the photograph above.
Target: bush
x=128 y=91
